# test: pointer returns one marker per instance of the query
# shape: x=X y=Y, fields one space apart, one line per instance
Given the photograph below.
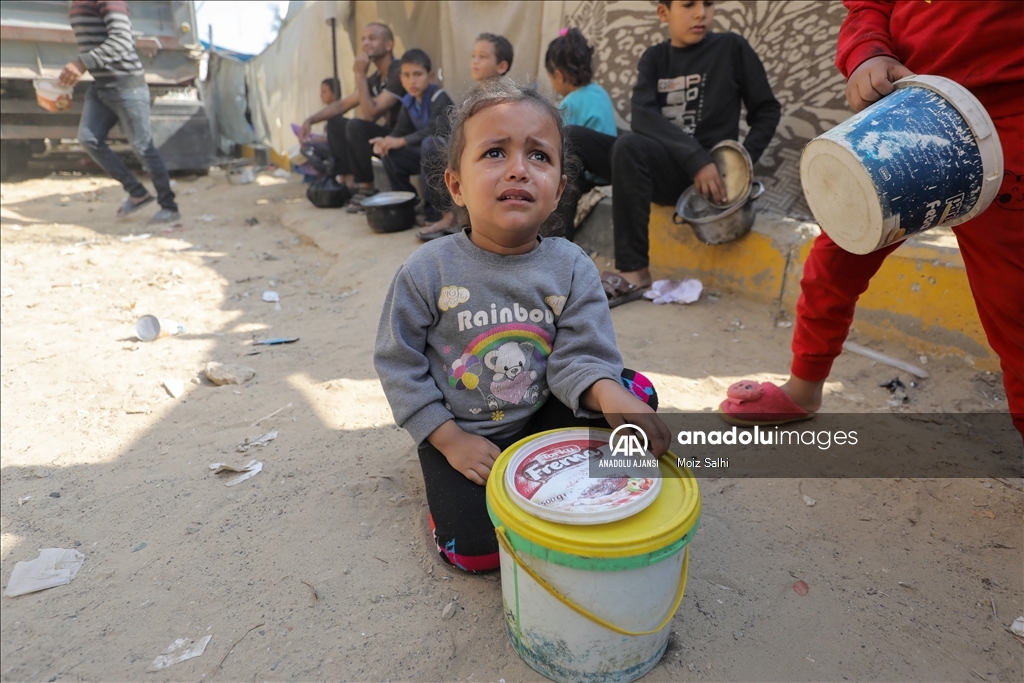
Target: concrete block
x=920 y=297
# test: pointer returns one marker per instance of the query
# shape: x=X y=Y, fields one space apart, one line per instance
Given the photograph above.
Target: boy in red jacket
x=976 y=45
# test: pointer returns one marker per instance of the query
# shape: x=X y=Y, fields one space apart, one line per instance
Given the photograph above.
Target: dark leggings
x=462 y=529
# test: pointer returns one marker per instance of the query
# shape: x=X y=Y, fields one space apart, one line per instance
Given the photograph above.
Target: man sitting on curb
x=378 y=97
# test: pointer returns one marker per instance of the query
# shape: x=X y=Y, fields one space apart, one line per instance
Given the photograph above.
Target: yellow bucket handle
x=504 y=542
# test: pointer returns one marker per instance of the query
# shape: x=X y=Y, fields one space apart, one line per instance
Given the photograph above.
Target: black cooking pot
x=390 y=211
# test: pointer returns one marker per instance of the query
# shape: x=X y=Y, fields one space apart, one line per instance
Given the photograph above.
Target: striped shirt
x=107 y=47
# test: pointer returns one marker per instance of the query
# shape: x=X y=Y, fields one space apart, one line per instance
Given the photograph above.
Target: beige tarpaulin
x=448 y=30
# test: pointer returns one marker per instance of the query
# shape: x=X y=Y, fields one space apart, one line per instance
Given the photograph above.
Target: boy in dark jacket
x=422 y=118
x=686 y=99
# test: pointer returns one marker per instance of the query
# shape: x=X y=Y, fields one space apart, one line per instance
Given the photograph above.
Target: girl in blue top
x=587 y=111
x=569 y=62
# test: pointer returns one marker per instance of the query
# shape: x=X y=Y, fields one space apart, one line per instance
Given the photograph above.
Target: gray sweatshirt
x=486 y=339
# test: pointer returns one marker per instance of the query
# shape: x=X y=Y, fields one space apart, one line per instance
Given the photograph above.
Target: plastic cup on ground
x=150 y=328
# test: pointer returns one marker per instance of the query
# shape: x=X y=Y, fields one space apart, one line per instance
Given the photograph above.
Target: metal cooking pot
x=735 y=169
x=712 y=225
x=391 y=211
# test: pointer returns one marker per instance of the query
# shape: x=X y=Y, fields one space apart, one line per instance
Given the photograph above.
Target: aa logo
x=625 y=442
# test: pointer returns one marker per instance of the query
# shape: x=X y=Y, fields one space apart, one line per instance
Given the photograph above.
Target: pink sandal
x=751 y=403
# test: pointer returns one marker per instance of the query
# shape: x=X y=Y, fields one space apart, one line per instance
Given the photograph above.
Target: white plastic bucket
x=593 y=602
x=924 y=156
x=52 y=96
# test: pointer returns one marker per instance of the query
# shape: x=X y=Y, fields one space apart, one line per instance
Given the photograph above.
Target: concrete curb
x=919 y=298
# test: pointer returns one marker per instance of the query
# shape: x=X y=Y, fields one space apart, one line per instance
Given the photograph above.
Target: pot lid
x=549 y=477
x=388 y=198
x=736 y=169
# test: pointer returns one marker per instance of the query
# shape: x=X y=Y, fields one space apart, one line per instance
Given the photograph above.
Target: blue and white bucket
x=924 y=156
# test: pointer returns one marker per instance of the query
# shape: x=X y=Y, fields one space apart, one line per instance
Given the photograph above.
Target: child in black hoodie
x=686 y=99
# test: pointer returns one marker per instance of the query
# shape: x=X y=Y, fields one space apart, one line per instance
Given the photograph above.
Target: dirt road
x=325 y=554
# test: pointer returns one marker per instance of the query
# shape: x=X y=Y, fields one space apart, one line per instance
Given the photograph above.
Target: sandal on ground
x=619 y=290
x=761 y=404
x=355 y=205
x=129 y=207
x=428 y=235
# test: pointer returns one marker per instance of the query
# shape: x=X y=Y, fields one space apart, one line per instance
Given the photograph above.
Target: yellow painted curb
x=920 y=297
x=279 y=160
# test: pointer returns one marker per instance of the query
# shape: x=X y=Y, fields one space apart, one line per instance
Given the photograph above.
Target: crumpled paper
x=178 y=651
x=236 y=474
x=261 y=440
x=674 y=291
x=54 y=567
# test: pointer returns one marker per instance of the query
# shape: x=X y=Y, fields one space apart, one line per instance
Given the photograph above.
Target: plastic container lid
x=641 y=538
x=734 y=165
x=388 y=199
x=549 y=477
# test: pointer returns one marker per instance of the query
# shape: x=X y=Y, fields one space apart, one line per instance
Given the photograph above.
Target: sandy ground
x=325 y=554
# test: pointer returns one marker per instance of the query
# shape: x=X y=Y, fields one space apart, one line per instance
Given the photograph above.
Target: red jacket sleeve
x=864 y=34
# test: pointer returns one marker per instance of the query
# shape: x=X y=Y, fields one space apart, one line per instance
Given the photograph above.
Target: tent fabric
x=225 y=98
x=795 y=39
x=284 y=80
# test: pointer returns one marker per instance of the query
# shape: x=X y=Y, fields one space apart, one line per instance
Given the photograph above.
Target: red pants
x=992 y=246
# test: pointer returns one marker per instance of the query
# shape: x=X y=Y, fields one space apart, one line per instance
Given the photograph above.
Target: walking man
x=118 y=95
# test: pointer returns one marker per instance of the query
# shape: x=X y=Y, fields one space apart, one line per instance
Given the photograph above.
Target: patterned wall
x=796 y=40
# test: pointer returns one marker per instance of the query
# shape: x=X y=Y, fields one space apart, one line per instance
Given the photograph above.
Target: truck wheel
x=14 y=156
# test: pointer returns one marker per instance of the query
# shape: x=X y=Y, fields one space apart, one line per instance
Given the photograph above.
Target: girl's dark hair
x=333 y=84
x=502 y=47
x=573 y=56
x=491 y=93
x=416 y=56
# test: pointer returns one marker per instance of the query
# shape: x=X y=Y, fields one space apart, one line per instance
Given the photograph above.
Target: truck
x=36 y=41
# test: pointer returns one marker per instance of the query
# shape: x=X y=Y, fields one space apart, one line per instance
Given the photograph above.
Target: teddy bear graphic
x=513 y=381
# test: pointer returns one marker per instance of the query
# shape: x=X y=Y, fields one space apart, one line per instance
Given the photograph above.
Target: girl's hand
x=621 y=407
x=872 y=80
x=473 y=456
x=709 y=183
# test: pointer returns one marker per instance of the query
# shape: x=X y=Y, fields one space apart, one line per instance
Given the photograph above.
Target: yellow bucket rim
x=674 y=513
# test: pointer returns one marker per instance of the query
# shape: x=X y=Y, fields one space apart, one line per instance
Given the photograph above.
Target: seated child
x=492 y=57
x=569 y=63
x=524 y=316
x=687 y=99
x=314 y=145
x=330 y=90
x=423 y=115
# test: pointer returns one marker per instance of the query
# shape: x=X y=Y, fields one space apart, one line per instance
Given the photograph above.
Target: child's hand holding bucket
x=872 y=80
x=620 y=407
